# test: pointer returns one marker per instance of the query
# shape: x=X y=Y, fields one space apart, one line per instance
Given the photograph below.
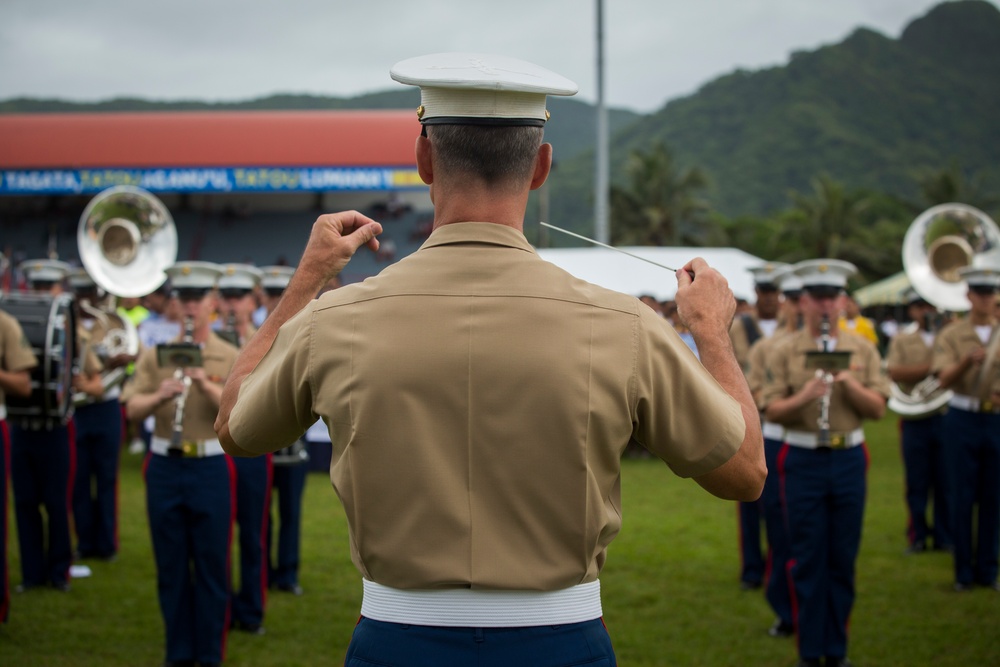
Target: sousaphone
x=126 y=239
x=939 y=242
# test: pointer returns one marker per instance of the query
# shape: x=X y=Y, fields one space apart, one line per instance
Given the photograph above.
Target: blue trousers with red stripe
x=289 y=483
x=824 y=493
x=777 y=588
x=398 y=645
x=190 y=506
x=41 y=470
x=4 y=477
x=751 y=558
x=975 y=443
x=253 y=504
x=95 y=492
x=927 y=476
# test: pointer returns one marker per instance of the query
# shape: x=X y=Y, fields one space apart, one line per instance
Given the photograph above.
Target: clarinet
x=176 y=438
x=823 y=438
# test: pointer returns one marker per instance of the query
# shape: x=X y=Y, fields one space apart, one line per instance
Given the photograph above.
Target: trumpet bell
x=127 y=238
x=942 y=240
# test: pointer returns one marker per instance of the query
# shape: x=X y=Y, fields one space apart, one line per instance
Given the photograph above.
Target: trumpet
x=176 y=437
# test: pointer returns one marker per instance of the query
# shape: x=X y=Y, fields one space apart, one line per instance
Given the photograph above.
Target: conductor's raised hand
x=705 y=304
x=334 y=239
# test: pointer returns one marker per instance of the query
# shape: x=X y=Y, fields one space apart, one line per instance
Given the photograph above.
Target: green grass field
x=670 y=589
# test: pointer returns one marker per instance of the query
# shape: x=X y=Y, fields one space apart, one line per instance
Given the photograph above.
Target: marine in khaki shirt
x=16 y=359
x=478 y=398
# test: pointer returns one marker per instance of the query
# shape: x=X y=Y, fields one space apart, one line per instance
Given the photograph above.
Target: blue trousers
x=253 y=502
x=975 y=442
x=95 y=491
x=777 y=589
x=397 y=645
x=190 y=506
x=824 y=503
x=4 y=476
x=41 y=469
x=289 y=483
x=927 y=475
x=751 y=558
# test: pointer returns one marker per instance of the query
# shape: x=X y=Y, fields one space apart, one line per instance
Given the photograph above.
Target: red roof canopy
x=208 y=139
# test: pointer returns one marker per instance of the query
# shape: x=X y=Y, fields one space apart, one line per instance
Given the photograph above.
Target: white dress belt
x=189 y=448
x=971 y=404
x=466 y=607
x=773 y=431
x=3 y=411
x=810 y=440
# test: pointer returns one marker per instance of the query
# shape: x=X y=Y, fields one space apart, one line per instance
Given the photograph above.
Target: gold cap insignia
x=420 y=112
x=823 y=268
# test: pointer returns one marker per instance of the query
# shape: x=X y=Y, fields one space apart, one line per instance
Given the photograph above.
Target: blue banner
x=197 y=179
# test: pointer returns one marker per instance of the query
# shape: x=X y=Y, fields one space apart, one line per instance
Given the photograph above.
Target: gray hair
x=499 y=156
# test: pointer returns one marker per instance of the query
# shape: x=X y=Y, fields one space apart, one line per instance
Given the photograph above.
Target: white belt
x=3 y=411
x=465 y=607
x=188 y=448
x=972 y=404
x=772 y=431
x=810 y=440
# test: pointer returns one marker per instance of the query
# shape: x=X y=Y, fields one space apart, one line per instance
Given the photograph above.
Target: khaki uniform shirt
x=788 y=364
x=199 y=411
x=954 y=342
x=479 y=400
x=15 y=348
x=741 y=342
x=758 y=361
x=908 y=349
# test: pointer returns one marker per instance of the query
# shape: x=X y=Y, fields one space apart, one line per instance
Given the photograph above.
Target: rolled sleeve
x=274 y=406
x=683 y=415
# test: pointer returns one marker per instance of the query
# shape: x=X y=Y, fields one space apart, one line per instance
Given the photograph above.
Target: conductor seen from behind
x=479 y=398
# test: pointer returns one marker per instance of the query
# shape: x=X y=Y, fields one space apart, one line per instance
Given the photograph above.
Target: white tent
x=629 y=275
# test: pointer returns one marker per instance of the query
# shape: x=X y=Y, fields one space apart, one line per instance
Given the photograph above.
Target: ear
x=425 y=162
x=543 y=165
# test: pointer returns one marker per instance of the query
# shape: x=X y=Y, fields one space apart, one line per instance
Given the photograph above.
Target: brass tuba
x=126 y=239
x=939 y=242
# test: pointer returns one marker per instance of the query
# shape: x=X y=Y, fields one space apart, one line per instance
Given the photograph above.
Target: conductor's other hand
x=334 y=239
x=705 y=304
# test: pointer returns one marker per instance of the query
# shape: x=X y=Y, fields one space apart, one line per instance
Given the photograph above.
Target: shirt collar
x=478 y=232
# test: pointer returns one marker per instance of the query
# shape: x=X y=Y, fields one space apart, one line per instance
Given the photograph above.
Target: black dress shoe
x=838 y=662
x=916 y=548
x=809 y=663
x=61 y=586
x=24 y=588
x=294 y=589
x=781 y=629
x=179 y=663
x=749 y=585
x=962 y=588
x=249 y=628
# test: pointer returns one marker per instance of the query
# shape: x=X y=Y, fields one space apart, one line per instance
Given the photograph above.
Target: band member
x=289 y=477
x=253 y=476
x=747 y=329
x=922 y=440
x=822 y=400
x=776 y=577
x=99 y=433
x=42 y=465
x=16 y=360
x=190 y=482
x=967 y=361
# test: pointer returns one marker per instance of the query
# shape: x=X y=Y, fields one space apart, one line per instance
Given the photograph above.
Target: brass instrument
x=939 y=242
x=126 y=239
x=176 y=436
x=826 y=361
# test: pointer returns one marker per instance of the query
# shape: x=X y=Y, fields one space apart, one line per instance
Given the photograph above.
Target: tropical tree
x=827 y=220
x=661 y=205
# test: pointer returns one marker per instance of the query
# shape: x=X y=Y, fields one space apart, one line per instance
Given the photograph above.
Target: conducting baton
x=609 y=247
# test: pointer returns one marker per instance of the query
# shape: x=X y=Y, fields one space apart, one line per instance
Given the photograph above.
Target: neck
x=981 y=319
x=479 y=204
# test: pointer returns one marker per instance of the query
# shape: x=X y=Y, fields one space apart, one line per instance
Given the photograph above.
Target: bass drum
x=48 y=323
x=295 y=454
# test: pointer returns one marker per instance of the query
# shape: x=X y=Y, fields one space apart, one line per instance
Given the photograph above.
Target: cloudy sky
x=213 y=50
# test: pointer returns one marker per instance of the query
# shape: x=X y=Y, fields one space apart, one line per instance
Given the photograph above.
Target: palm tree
x=828 y=220
x=660 y=206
